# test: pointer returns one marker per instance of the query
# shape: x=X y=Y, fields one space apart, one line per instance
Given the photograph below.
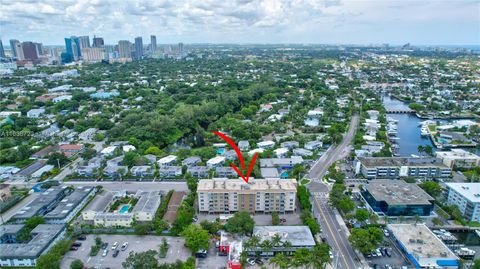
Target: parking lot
x=135 y=243
x=396 y=261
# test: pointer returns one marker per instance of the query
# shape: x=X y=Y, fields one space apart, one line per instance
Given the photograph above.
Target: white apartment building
x=459 y=158
x=466 y=196
x=221 y=195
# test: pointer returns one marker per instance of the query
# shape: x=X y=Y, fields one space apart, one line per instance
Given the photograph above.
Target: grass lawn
x=304 y=181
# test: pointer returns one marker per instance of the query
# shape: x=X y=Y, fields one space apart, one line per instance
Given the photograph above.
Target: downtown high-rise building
x=2 y=50
x=72 y=46
x=138 y=47
x=30 y=51
x=153 y=43
x=13 y=46
x=98 y=42
x=93 y=55
x=39 y=48
x=84 y=42
x=19 y=51
x=124 y=49
x=180 y=49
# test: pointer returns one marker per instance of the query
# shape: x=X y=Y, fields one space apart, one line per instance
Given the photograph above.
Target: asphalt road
x=13 y=210
x=334 y=153
x=336 y=234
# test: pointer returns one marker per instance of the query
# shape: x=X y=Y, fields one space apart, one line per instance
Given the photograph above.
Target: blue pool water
x=124 y=209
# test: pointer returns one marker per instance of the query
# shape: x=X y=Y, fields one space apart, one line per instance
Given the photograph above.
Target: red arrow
x=240 y=157
x=250 y=168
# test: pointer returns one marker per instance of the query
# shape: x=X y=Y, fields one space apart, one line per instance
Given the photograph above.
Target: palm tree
x=385 y=219
x=301 y=258
x=417 y=218
x=428 y=150
x=420 y=149
x=319 y=256
x=276 y=240
x=279 y=260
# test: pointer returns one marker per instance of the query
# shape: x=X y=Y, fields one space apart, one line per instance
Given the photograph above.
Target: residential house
x=167 y=161
x=313 y=145
x=266 y=144
x=198 y=171
x=216 y=161
x=225 y=172
x=142 y=171
x=170 y=171
x=36 y=113
x=191 y=161
x=290 y=144
x=243 y=145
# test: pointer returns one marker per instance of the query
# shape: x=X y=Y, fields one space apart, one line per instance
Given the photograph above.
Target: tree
x=320 y=255
x=196 y=238
x=163 y=248
x=476 y=264
x=428 y=150
x=420 y=149
x=431 y=187
x=240 y=223
x=346 y=204
x=361 y=215
x=211 y=226
x=141 y=260
x=275 y=218
x=57 y=159
x=365 y=240
x=76 y=264
x=153 y=150
x=280 y=260
x=142 y=228
x=301 y=258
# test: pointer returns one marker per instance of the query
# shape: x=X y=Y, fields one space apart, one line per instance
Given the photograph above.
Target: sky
x=436 y=22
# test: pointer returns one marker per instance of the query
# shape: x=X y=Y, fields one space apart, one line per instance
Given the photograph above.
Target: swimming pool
x=124 y=209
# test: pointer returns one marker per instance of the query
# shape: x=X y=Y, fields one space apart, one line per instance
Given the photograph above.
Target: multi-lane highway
x=344 y=255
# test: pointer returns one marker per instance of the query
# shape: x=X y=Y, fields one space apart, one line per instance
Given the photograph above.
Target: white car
x=105 y=252
x=330 y=254
x=124 y=246
x=386 y=233
x=251 y=261
x=114 y=246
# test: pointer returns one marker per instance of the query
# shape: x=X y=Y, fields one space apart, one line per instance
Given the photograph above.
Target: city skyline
x=261 y=22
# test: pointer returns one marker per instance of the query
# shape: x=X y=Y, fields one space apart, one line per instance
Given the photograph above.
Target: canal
x=408 y=128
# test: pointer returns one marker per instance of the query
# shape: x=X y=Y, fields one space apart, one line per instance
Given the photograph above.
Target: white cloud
x=245 y=21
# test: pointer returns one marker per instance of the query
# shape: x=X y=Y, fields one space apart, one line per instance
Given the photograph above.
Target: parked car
x=105 y=252
x=201 y=254
x=388 y=252
x=124 y=246
x=259 y=261
x=115 y=253
x=386 y=233
x=104 y=245
x=77 y=244
x=72 y=248
x=330 y=254
x=251 y=261
x=114 y=246
x=82 y=237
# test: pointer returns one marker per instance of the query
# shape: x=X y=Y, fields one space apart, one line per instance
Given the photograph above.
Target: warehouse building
x=422 y=247
x=221 y=195
x=397 y=198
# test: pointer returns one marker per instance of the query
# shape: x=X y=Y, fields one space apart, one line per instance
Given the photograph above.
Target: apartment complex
x=221 y=195
x=395 y=167
x=459 y=158
x=99 y=210
x=466 y=196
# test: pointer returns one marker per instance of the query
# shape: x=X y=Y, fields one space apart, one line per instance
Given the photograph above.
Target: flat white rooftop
x=471 y=191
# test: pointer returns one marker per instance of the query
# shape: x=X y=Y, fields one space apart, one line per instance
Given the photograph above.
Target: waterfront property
x=422 y=247
x=221 y=195
x=24 y=254
x=397 y=198
x=466 y=196
x=459 y=158
x=395 y=167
